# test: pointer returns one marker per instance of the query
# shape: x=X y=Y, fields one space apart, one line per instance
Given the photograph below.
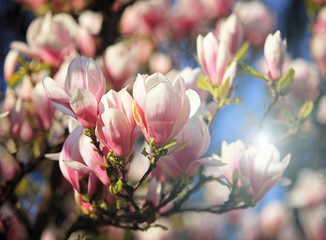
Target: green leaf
x=242 y=51
x=151 y=142
x=283 y=85
x=118 y=185
x=204 y=84
x=42 y=66
x=224 y=89
x=252 y=71
x=170 y=144
x=116 y=188
x=177 y=148
x=305 y=110
x=16 y=78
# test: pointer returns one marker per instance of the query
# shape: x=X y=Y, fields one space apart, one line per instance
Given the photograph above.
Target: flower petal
x=84 y=105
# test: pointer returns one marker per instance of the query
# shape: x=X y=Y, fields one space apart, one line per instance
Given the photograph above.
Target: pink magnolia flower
x=91 y=21
x=21 y=128
x=93 y=159
x=320 y=25
x=215 y=9
x=214 y=57
x=258 y=21
x=85 y=85
x=73 y=167
x=262 y=168
x=146 y=18
x=119 y=65
x=49 y=38
x=188 y=159
x=275 y=53
x=308 y=190
x=186 y=16
x=115 y=126
x=160 y=62
x=306 y=79
x=160 y=108
x=10 y=64
x=85 y=42
x=231 y=31
x=318 y=50
x=43 y=108
x=191 y=77
x=273 y=219
x=231 y=155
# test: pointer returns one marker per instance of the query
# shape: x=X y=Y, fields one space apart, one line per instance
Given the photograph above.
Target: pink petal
x=162 y=109
x=118 y=131
x=95 y=81
x=210 y=48
x=93 y=159
x=86 y=42
x=76 y=75
x=84 y=105
x=59 y=97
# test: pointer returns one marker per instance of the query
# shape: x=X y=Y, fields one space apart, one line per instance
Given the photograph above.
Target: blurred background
x=38 y=201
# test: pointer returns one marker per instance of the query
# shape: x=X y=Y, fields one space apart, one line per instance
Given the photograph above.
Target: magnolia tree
x=105 y=133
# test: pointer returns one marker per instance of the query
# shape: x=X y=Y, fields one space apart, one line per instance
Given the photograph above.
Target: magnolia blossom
x=186 y=16
x=91 y=21
x=93 y=159
x=318 y=50
x=214 y=9
x=306 y=80
x=119 y=65
x=146 y=18
x=21 y=128
x=231 y=31
x=43 y=108
x=85 y=85
x=73 y=167
x=53 y=38
x=191 y=77
x=274 y=218
x=275 y=53
x=49 y=38
x=308 y=190
x=320 y=25
x=188 y=159
x=160 y=62
x=214 y=57
x=258 y=21
x=10 y=64
x=313 y=222
x=260 y=168
x=231 y=155
x=161 y=108
x=115 y=127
